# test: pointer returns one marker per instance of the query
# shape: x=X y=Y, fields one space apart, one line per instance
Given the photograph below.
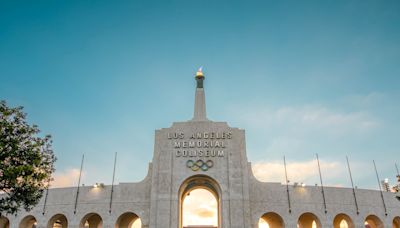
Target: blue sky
x=301 y=77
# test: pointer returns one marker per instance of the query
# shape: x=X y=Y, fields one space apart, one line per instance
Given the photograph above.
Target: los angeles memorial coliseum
x=210 y=155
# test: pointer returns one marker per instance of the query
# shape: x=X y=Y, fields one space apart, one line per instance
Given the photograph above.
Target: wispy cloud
x=66 y=178
x=366 y=100
x=300 y=131
x=303 y=130
x=310 y=118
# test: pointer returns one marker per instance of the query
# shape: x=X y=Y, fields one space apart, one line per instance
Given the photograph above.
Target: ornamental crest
x=199 y=164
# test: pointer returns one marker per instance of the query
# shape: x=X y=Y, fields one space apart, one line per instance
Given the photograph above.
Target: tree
x=26 y=161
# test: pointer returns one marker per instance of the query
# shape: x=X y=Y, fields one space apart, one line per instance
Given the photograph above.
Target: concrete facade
x=212 y=155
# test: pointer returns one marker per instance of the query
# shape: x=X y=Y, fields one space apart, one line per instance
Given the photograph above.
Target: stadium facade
x=212 y=155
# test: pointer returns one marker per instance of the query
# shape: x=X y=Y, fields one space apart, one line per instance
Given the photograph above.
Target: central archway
x=202 y=185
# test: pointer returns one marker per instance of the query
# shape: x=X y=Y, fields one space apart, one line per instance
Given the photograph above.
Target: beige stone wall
x=272 y=197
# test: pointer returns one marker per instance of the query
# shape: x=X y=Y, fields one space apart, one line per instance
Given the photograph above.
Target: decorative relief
x=199 y=164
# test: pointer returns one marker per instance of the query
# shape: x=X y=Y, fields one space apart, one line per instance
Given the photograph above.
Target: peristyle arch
x=308 y=220
x=199 y=182
x=58 y=221
x=28 y=222
x=91 y=220
x=4 y=222
x=396 y=222
x=373 y=221
x=127 y=220
x=272 y=219
x=343 y=221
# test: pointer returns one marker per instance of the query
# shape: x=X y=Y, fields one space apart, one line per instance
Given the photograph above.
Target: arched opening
x=58 y=221
x=28 y=222
x=4 y=222
x=308 y=220
x=372 y=221
x=342 y=221
x=91 y=220
x=270 y=220
x=199 y=203
x=128 y=220
x=396 y=222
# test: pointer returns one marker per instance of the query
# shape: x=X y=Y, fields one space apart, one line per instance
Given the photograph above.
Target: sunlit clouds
x=301 y=172
x=136 y=224
x=200 y=208
x=348 y=127
x=67 y=178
